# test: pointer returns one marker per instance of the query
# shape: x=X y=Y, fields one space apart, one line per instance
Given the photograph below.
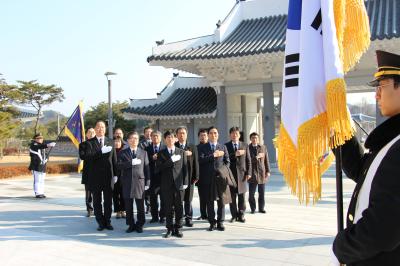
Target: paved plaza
x=55 y=231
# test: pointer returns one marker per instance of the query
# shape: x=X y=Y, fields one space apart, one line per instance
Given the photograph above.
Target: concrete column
x=378 y=116
x=260 y=121
x=244 y=116
x=191 y=132
x=269 y=120
x=222 y=115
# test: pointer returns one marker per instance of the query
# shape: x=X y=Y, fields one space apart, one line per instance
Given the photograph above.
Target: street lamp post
x=110 y=115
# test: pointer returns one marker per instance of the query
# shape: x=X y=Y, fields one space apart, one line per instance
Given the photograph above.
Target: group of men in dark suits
x=165 y=174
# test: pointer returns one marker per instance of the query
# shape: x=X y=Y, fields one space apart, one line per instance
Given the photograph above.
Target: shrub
x=19 y=170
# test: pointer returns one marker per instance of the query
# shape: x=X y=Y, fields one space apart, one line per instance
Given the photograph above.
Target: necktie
x=182 y=146
x=133 y=154
x=213 y=147
x=236 y=148
x=155 y=149
x=101 y=142
x=171 y=152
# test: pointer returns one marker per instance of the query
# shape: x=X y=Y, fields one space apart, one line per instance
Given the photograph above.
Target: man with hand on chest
x=157 y=214
x=102 y=168
x=135 y=178
x=192 y=169
x=240 y=165
x=172 y=162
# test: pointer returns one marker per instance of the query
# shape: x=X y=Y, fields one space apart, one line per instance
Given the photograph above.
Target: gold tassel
x=312 y=143
x=352 y=31
x=287 y=158
x=338 y=116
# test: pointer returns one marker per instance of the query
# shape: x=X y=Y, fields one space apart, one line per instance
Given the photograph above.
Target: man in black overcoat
x=212 y=156
x=192 y=169
x=372 y=236
x=102 y=160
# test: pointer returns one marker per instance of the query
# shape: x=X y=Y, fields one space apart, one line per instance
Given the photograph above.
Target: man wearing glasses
x=372 y=236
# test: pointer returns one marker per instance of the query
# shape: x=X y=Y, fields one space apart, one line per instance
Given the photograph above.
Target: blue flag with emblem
x=75 y=130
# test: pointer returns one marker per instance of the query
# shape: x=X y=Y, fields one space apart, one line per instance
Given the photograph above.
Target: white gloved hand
x=136 y=161
x=146 y=187
x=51 y=144
x=175 y=157
x=115 y=179
x=106 y=149
x=45 y=161
x=185 y=187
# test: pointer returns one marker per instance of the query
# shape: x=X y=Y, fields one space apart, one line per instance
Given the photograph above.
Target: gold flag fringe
x=352 y=31
x=301 y=166
x=338 y=116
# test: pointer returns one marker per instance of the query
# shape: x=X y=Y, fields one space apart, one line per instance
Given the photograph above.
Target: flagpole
x=48 y=155
x=339 y=188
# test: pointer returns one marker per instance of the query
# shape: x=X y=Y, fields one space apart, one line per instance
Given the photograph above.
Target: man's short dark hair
x=130 y=134
x=156 y=132
x=234 y=129
x=211 y=128
x=202 y=130
x=169 y=133
x=396 y=81
x=254 y=134
x=146 y=128
x=180 y=128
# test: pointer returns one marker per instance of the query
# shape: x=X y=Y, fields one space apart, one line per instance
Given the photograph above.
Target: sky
x=73 y=43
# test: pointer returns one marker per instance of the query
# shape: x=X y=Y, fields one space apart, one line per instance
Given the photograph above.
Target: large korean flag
x=324 y=39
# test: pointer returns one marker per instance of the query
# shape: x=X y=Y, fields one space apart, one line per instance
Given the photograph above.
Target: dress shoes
x=253 y=211
x=178 y=233
x=189 y=223
x=109 y=227
x=162 y=220
x=220 y=227
x=241 y=219
x=130 y=229
x=153 y=220
x=262 y=211
x=168 y=234
x=233 y=219
x=100 y=227
x=211 y=228
x=139 y=229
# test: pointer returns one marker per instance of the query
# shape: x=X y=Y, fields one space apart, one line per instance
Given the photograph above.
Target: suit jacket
x=144 y=144
x=192 y=168
x=101 y=167
x=155 y=175
x=259 y=167
x=375 y=238
x=36 y=163
x=208 y=164
x=85 y=174
x=240 y=165
x=173 y=174
x=133 y=178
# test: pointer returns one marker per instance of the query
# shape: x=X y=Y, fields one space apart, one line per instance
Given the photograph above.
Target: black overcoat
x=375 y=238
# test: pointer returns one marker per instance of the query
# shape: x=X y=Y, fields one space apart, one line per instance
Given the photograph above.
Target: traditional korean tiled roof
x=187 y=103
x=268 y=35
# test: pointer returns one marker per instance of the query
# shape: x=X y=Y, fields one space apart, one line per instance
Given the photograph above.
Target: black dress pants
x=173 y=203
x=130 y=219
x=105 y=197
x=261 y=199
x=156 y=213
x=203 y=201
x=237 y=207
x=88 y=199
x=118 y=200
x=188 y=203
